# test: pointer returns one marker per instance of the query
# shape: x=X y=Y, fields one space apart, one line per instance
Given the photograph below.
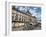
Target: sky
x=35 y=11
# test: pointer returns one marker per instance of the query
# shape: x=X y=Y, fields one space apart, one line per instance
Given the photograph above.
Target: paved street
x=26 y=28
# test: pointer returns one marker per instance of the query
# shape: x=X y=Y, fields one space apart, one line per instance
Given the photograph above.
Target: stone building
x=20 y=18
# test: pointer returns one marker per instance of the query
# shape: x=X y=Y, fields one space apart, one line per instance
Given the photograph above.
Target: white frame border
x=8 y=14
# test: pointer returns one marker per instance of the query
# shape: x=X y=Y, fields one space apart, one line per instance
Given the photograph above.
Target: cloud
x=35 y=11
